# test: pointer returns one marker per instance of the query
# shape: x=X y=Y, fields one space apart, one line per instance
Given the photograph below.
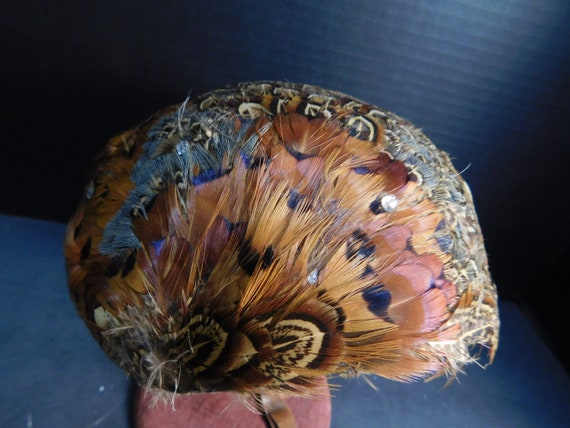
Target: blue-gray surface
x=55 y=375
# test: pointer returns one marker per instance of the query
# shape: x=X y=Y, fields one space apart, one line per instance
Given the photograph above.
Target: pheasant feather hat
x=261 y=236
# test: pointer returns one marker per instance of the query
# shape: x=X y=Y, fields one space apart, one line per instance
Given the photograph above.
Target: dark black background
x=487 y=81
